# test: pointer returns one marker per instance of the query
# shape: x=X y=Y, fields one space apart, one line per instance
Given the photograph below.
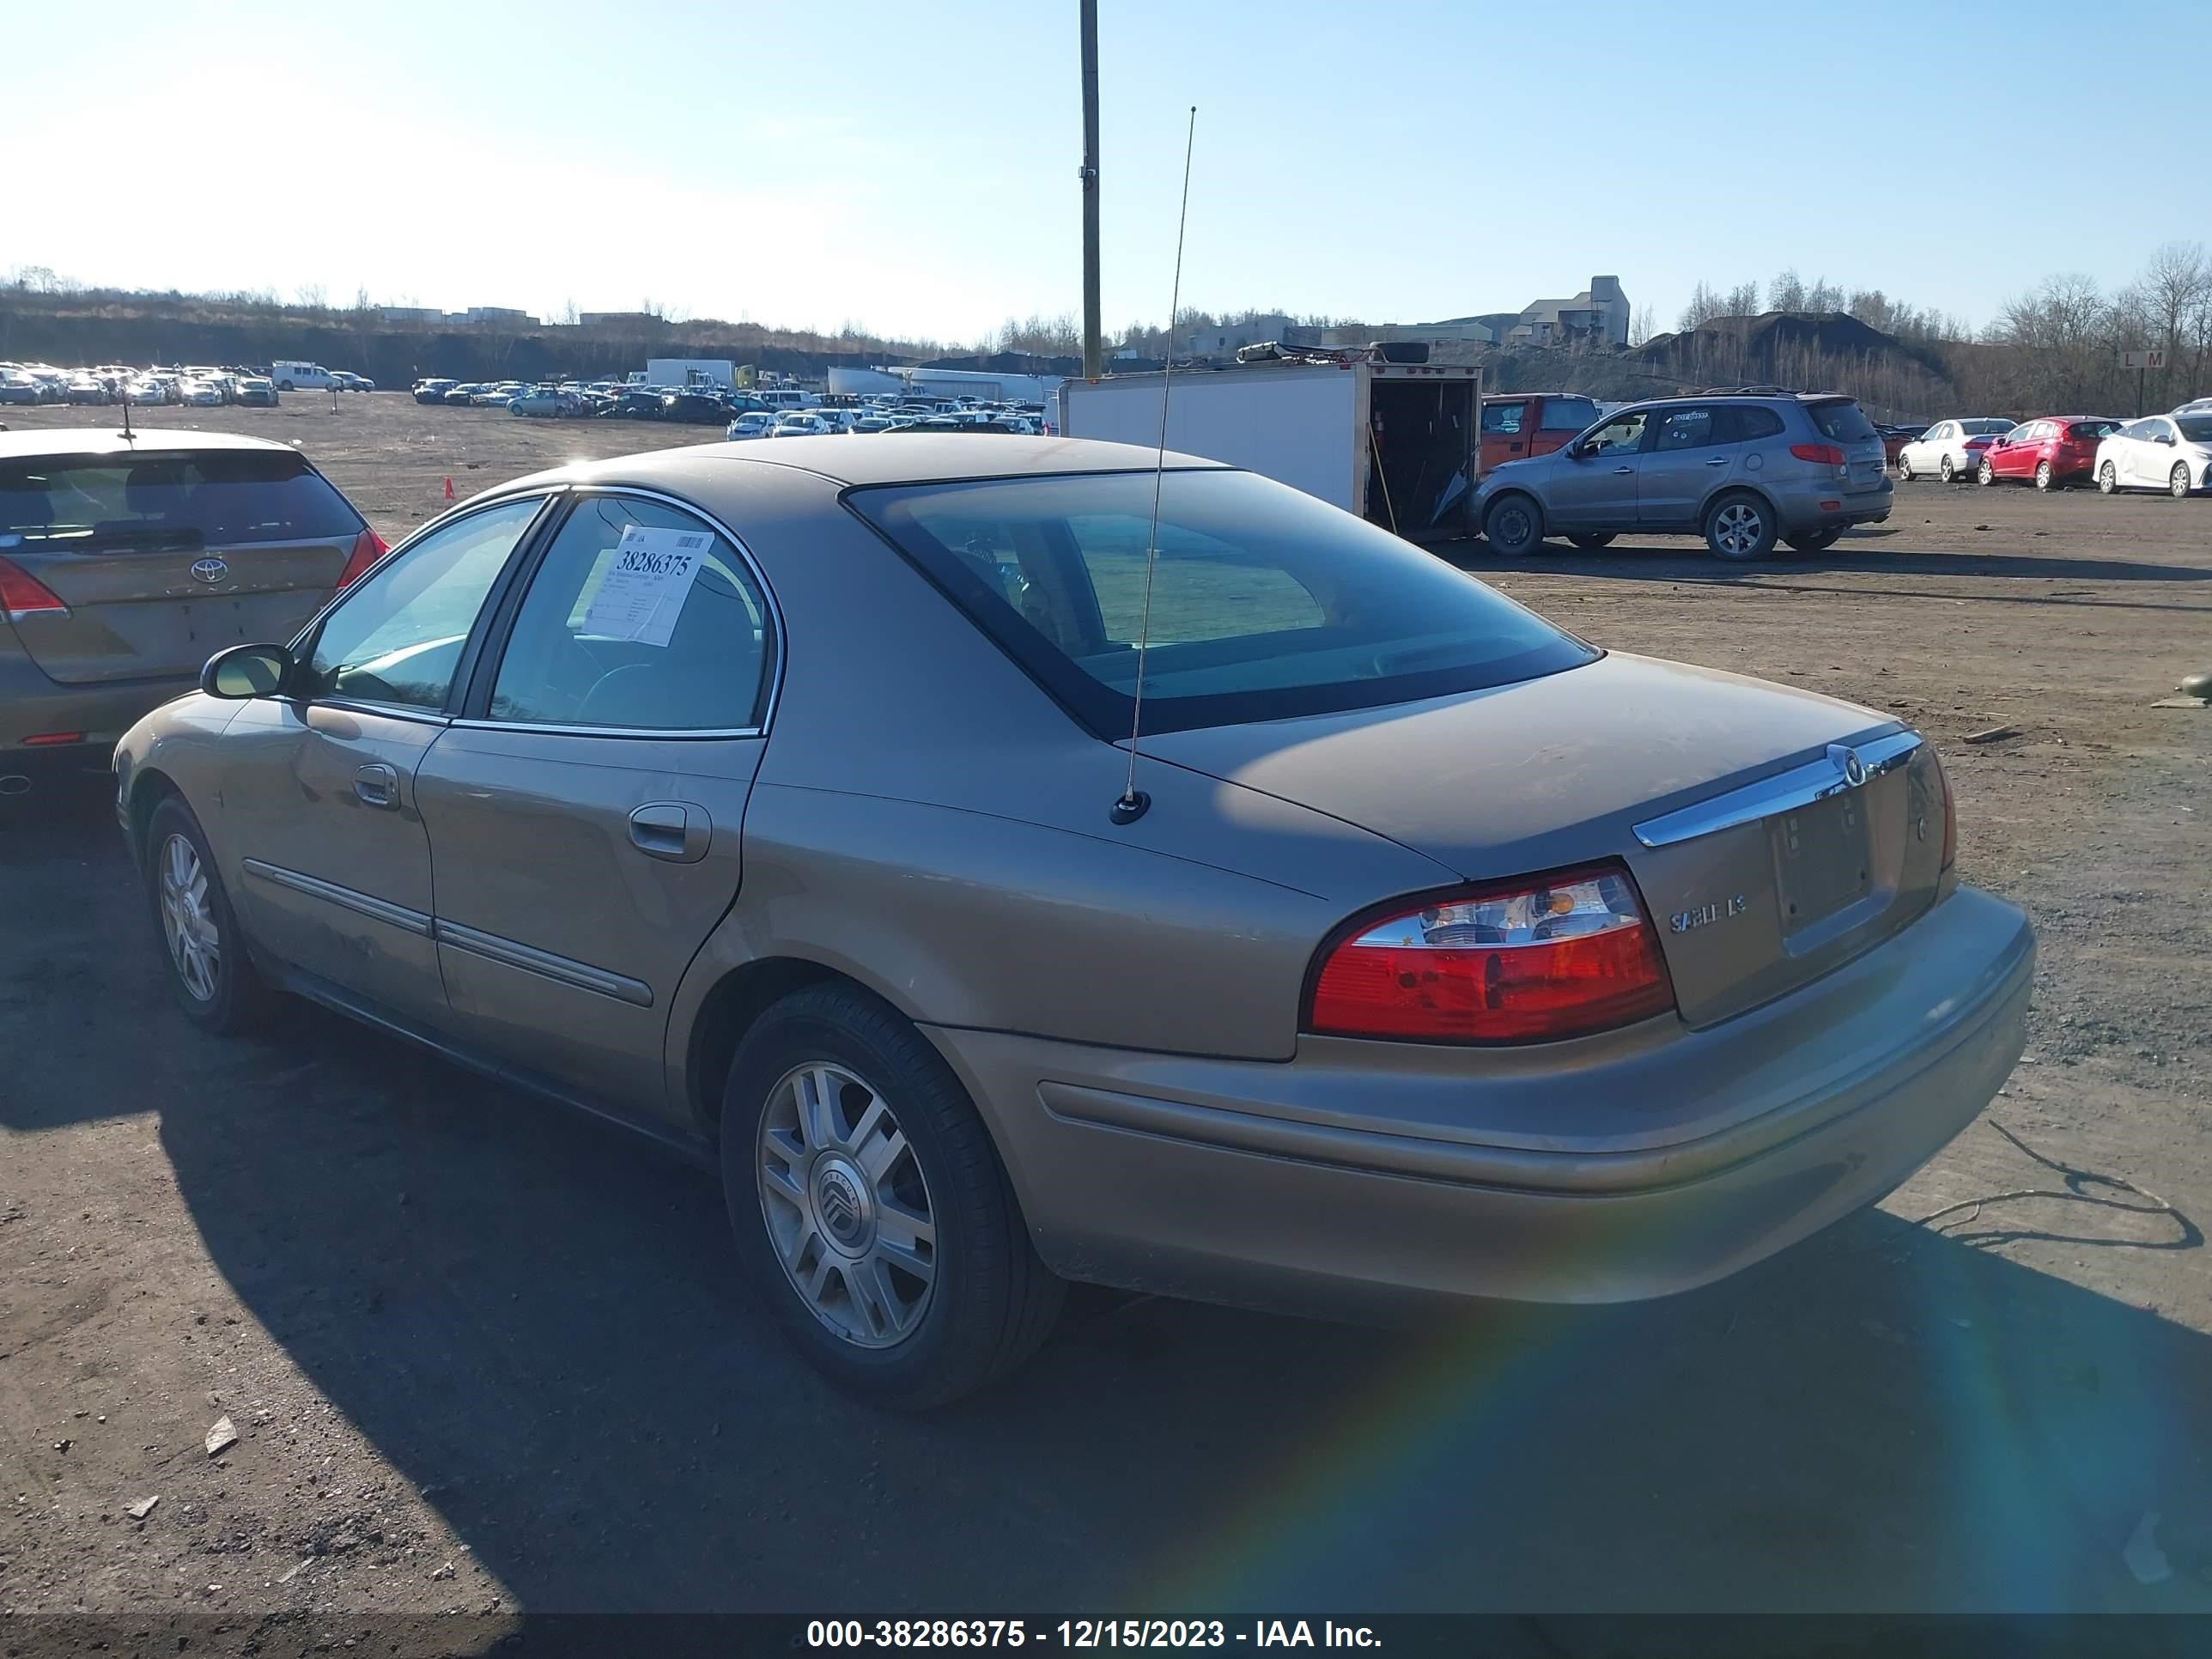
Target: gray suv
x=1741 y=471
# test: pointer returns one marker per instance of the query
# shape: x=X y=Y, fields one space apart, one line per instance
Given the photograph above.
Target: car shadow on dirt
x=1684 y=561
x=539 y=1321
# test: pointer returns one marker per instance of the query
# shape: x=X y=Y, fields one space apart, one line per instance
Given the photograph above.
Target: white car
x=753 y=423
x=799 y=423
x=1951 y=450
x=198 y=394
x=2172 y=452
x=2195 y=406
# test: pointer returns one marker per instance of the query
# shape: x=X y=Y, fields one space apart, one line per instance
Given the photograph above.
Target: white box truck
x=682 y=372
x=1397 y=443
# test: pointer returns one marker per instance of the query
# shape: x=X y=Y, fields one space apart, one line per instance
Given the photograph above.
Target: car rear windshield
x=1842 y=420
x=2196 y=428
x=219 y=497
x=2089 y=431
x=1266 y=603
x=1985 y=428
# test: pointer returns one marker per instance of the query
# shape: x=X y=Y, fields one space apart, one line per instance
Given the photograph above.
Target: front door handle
x=1716 y=460
x=377 y=785
x=1622 y=472
x=672 y=829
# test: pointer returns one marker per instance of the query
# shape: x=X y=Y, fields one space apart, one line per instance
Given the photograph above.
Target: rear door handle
x=1716 y=460
x=377 y=785
x=1622 y=472
x=672 y=829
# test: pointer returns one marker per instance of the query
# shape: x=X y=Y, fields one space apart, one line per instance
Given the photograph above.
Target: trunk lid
x=1562 y=770
x=163 y=558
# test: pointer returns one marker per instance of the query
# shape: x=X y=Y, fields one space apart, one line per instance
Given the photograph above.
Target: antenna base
x=1131 y=807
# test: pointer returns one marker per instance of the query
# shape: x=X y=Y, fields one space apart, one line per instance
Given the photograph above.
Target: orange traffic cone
x=449 y=489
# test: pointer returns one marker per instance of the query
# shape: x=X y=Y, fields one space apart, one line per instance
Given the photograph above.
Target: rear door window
x=581 y=654
x=1842 y=420
x=1688 y=429
x=217 y=498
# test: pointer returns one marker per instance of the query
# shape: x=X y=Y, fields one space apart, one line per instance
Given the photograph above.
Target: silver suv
x=1742 y=472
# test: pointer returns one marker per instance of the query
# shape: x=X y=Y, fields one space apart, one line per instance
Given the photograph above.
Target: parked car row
x=193 y=385
x=2169 y=453
x=1289 y=1015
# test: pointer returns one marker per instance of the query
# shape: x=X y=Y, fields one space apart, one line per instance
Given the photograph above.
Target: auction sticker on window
x=643 y=591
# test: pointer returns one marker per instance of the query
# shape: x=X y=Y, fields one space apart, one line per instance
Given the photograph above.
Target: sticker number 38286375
x=643 y=591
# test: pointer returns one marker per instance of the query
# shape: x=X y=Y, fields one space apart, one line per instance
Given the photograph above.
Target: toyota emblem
x=212 y=571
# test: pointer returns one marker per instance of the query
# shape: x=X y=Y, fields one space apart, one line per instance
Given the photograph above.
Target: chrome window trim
x=413 y=713
x=544 y=729
x=377 y=910
x=773 y=635
x=564 y=970
x=1785 y=792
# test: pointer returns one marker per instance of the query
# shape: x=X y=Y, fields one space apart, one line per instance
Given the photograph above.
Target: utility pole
x=1091 y=346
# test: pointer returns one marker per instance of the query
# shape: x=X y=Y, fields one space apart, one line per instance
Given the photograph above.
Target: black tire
x=2045 y=478
x=1945 y=471
x=1740 y=527
x=286 y=386
x=1591 y=544
x=2108 y=481
x=2176 y=482
x=1514 y=524
x=233 y=998
x=1817 y=541
x=990 y=1303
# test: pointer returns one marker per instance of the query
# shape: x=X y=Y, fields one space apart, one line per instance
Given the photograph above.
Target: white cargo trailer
x=1397 y=443
x=690 y=371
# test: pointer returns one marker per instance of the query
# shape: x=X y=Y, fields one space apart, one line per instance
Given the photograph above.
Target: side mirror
x=2165 y=437
x=246 y=671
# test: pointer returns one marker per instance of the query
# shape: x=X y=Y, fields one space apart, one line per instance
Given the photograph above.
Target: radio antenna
x=1134 y=802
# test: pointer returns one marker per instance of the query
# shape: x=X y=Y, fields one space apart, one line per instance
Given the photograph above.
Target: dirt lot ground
x=481 y=1356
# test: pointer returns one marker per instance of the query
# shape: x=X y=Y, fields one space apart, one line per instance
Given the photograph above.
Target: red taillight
x=367 y=548
x=1819 y=454
x=1950 y=813
x=49 y=739
x=23 y=594
x=1526 y=960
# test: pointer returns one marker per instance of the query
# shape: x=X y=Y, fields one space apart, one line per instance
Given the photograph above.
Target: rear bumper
x=1831 y=506
x=1321 y=1186
x=31 y=705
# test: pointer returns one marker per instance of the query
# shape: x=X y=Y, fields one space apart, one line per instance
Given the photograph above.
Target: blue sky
x=912 y=167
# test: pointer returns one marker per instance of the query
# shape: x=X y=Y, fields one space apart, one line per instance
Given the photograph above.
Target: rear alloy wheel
x=2176 y=482
x=1817 y=541
x=216 y=984
x=1904 y=473
x=870 y=1206
x=1740 y=528
x=1987 y=475
x=1946 y=471
x=2108 y=481
x=1591 y=543
x=1514 y=526
x=2046 y=479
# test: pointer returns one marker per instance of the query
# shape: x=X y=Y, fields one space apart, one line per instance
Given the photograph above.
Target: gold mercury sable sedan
x=777 y=800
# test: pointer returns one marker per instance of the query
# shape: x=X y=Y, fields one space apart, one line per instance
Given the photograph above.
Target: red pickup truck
x=1518 y=424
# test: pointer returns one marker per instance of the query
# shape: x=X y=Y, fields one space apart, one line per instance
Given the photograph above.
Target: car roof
x=853 y=459
x=110 y=441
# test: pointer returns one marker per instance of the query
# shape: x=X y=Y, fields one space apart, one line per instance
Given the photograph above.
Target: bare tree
x=2176 y=296
x=1742 y=301
x=1705 y=305
x=1641 y=325
x=310 y=296
x=1786 y=292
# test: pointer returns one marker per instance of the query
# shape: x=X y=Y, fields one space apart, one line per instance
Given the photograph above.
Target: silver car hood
x=1533 y=776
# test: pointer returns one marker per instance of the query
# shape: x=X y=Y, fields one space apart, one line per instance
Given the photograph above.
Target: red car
x=2052 y=450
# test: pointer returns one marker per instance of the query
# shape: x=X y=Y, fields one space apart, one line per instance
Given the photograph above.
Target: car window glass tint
x=1845 y=421
x=1266 y=603
x=1503 y=417
x=397 y=637
x=1686 y=428
x=560 y=669
x=226 y=498
x=1568 y=414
